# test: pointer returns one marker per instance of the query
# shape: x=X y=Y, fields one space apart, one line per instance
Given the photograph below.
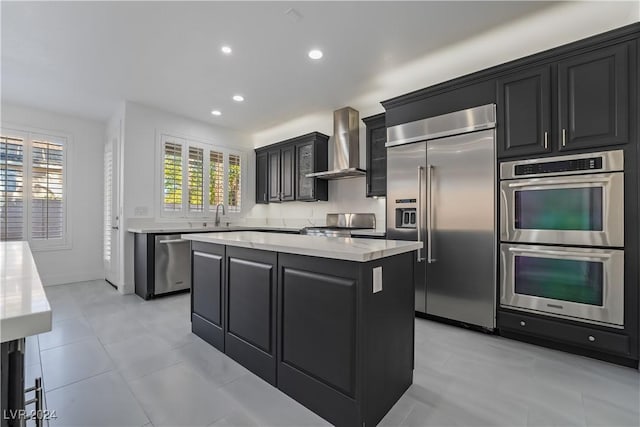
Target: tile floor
x=114 y=360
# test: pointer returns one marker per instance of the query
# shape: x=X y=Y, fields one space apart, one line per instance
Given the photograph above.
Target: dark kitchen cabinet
x=590 y=101
x=566 y=332
x=281 y=170
x=376 y=132
x=318 y=329
x=262 y=178
x=251 y=310
x=593 y=98
x=207 y=296
x=311 y=156
x=524 y=113
x=274 y=176
x=287 y=170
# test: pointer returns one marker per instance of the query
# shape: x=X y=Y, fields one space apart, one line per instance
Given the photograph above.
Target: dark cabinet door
x=524 y=113
x=207 y=293
x=287 y=173
x=376 y=155
x=593 y=99
x=262 y=178
x=318 y=321
x=274 y=176
x=377 y=162
x=305 y=187
x=251 y=310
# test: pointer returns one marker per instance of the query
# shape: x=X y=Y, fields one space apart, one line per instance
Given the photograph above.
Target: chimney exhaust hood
x=346 y=147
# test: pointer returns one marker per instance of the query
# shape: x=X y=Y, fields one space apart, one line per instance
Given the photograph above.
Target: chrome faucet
x=217 y=222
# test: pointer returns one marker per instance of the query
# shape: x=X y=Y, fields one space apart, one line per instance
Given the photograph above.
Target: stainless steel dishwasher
x=172 y=264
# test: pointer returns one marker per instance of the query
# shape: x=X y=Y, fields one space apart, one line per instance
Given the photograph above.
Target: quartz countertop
x=167 y=228
x=24 y=308
x=344 y=248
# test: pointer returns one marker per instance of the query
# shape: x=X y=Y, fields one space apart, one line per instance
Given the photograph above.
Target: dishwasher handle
x=173 y=241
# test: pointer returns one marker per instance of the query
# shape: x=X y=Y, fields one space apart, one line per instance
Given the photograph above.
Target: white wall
x=83 y=260
x=547 y=29
x=140 y=175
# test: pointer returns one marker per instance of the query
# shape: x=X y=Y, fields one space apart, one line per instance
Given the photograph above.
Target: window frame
x=187 y=142
x=29 y=134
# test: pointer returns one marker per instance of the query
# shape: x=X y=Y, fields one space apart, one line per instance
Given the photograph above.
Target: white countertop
x=344 y=248
x=24 y=308
x=183 y=229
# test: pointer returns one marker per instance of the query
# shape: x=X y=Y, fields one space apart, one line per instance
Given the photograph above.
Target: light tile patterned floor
x=114 y=360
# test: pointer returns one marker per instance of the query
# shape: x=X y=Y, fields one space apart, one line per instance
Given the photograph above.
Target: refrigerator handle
x=419 y=214
x=430 y=258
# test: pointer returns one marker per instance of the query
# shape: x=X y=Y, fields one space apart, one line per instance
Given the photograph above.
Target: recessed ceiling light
x=226 y=50
x=315 y=54
x=238 y=98
x=216 y=112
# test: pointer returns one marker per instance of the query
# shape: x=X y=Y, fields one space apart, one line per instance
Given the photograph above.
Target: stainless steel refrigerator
x=441 y=190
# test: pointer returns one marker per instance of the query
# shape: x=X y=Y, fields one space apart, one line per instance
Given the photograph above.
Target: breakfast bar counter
x=24 y=311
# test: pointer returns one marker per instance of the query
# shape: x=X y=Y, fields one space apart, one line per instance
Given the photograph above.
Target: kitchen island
x=327 y=320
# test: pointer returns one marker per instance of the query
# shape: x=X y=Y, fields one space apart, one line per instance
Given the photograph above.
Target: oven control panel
x=585 y=164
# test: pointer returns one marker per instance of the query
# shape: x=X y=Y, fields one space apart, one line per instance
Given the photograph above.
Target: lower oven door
x=575 y=283
x=567 y=210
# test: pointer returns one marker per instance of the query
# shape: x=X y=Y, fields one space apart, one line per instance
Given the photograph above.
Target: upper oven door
x=572 y=210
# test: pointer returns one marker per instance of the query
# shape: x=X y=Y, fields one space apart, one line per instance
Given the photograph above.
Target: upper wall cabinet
x=376 y=155
x=287 y=164
x=262 y=177
x=524 y=112
x=590 y=102
x=593 y=98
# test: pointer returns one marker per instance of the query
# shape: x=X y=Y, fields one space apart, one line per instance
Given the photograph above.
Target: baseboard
x=61 y=279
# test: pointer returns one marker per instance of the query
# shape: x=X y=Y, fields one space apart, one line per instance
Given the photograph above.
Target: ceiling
x=83 y=58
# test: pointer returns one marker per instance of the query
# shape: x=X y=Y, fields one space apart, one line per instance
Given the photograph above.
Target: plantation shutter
x=12 y=200
x=172 y=177
x=233 y=180
x=47 y=190
x=196 y=179
x=108 y=200
x=216 y=179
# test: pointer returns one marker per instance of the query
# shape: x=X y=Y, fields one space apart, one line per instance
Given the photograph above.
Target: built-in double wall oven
x=562 y=236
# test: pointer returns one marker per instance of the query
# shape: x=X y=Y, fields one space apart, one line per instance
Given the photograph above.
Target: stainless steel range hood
x=346 y=147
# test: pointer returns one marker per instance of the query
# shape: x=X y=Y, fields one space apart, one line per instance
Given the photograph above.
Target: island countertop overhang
x=342 y=248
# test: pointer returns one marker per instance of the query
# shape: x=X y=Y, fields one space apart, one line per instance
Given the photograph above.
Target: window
x=233 y=183
x=216 y=179
x=33 y=188
x=196 y=179
x=208 y=175
x=172 y=177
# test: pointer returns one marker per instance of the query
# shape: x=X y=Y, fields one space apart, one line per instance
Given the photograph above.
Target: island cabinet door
x=251 y=310
x=207 y=264
x=317 y=342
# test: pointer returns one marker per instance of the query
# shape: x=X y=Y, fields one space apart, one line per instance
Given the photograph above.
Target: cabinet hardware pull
x=564 y=137
x=523 y=323
x=419 y=215
x=546 y=140
x=592 y=338
x=430 y=258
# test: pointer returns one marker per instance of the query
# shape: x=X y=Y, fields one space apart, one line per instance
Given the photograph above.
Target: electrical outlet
x=377 y=279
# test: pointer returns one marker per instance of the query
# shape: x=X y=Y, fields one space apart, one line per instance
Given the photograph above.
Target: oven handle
x=564 y=254
x=535 y=182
